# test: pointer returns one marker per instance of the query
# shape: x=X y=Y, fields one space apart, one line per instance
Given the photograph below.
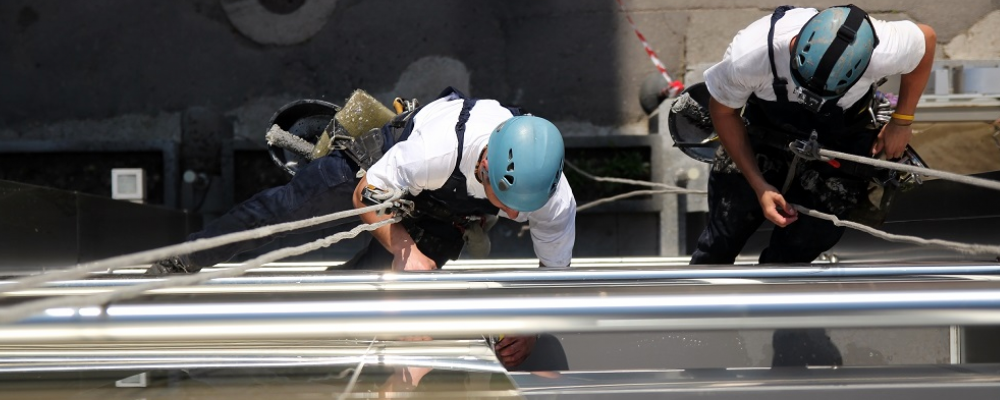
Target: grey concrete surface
x=746 y=348
x=117 y=70
x=568 y=60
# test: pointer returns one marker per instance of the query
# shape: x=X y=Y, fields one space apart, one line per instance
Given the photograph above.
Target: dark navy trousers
x=321 y=187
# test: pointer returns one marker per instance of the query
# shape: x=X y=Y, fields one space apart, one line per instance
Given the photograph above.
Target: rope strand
x=673 y=188
x=148 y=256
x=968 y=180
x=23 y=310
x=961 y=247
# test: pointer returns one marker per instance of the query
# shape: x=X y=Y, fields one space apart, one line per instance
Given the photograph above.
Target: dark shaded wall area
x=102 y=58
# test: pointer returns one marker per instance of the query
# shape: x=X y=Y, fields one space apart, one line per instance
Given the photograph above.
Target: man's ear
x=481 y=167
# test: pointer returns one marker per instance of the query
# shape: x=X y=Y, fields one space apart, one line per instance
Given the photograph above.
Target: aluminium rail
x=546 y=307
x=632 y=270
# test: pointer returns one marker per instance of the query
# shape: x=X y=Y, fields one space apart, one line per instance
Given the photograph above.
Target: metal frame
x=447 y=309
x=167 y=148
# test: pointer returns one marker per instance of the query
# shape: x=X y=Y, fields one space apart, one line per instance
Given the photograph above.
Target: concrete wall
x=205 y=73
x=574 y=61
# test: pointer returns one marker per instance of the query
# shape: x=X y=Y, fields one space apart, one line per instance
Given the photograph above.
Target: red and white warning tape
x=673 y=87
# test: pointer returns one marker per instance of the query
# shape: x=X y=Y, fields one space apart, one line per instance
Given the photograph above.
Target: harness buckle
x=808 y=149
x=846 y=33
x=810 y=100
x=402 y=207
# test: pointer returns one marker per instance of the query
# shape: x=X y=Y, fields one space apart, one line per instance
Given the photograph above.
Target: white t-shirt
x=426 y=159
x=745 y=68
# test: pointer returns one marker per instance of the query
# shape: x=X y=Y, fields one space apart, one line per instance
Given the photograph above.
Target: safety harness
x=441 y=216
x=777 y=124
x=804 y=128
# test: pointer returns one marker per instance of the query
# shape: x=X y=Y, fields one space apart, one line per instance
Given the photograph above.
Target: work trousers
x=321 y=187
x=734 y=212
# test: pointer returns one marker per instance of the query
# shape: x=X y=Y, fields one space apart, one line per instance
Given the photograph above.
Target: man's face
x=482 y=175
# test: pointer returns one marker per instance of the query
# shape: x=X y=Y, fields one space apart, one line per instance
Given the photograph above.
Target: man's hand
x=893 y=140
x=776 y=209
x=513 y=350
x=410 y=258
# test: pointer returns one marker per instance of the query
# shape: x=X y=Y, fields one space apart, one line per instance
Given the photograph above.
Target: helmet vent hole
x=802 y=60
x=506 y=182
x=806 y=49
x=510 y=154
x=811 y=37
x=841 y=83
x=510 y=167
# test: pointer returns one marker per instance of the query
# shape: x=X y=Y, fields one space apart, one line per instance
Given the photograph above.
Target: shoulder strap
x=404 y=122
x=456 y=182
x=780 y=85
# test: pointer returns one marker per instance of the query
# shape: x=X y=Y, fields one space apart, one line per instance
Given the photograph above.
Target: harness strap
x=456 y=182
x=780 y=85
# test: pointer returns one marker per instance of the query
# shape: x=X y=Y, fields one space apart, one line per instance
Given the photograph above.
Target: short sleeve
x=901 y=47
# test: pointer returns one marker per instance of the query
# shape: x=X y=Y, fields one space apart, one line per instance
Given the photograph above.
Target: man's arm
x=897 y=133
x=732 y=133
x=405 y=255
x=553 y=227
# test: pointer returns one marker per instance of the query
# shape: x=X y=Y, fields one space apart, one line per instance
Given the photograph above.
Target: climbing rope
x=664 y=188
x=149 y=256
x=349 y=389
x=824 y=154
x=671 y=188
x=615 y=198
x=961 y=247
x=968 y=180
x=23 y=310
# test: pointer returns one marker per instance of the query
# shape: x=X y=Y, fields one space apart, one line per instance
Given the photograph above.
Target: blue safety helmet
x=525 y=156
x=833 y=50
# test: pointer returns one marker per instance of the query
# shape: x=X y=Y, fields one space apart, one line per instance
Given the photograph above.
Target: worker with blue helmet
x=461 y=163
x=806 y=77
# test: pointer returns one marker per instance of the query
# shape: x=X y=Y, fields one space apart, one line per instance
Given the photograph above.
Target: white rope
x=149 y=256
x=23 y=310
x=614 y=198
x=357 y=372
x=961 y=247
x=673 y=188
x=969 y=180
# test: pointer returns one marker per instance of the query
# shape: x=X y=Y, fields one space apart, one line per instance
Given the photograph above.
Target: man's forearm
x=393 y=237
x=729 y=125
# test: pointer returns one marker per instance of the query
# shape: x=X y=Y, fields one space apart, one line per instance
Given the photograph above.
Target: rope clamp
x=401 y=207
x=808 y=149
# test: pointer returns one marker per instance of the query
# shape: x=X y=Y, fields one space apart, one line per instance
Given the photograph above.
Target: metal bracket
x=808 y=149
x=135 y=381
